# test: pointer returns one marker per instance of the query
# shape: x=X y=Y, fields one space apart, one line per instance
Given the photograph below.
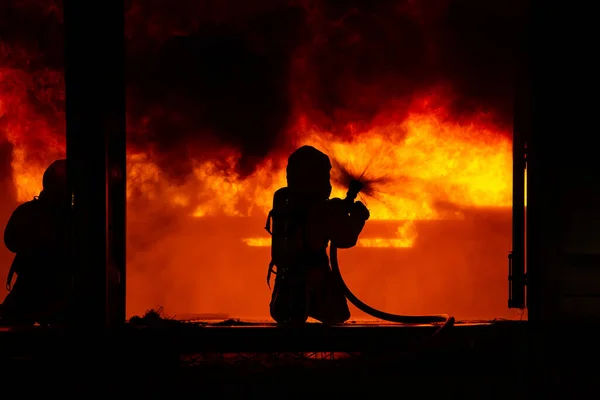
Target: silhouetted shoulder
x=19 y=224
x=28 y=208
x=334 y=206
x=335 y=202
x=330 y=211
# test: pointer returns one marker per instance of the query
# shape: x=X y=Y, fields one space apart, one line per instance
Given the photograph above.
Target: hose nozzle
x=354 y=188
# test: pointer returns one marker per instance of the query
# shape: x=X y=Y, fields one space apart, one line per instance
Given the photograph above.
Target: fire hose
x=446 y=320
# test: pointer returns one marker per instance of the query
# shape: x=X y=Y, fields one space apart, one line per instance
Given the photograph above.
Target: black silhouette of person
x=305 y=220
x=37 y=232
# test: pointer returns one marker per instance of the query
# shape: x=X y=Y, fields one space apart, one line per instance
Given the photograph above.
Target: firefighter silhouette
x=302 y=223
x=37 y=232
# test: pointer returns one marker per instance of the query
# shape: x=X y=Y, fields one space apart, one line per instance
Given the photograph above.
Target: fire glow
x=425 y=161
x=440 y=202
x=434 y=168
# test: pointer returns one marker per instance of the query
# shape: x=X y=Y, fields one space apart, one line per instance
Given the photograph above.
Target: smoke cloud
x=208 y=73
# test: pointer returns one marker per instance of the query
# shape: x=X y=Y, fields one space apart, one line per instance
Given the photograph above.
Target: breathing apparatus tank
x=289 y=291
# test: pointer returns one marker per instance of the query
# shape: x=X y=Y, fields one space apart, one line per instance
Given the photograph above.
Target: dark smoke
x=202 y=74
x=227 y=81
x=369 y=53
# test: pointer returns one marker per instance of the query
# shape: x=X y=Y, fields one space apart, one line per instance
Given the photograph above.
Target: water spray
x=354 y=188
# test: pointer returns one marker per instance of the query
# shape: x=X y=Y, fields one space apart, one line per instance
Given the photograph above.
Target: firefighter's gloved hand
x=359 y=210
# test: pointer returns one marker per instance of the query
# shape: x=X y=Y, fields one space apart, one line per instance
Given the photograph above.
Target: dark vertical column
x=520 y=132
x=521 y=135
x=543 y=167
x=95 y=112
x=563 y=166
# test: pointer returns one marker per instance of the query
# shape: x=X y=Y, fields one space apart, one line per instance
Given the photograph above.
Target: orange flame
x=433 y=169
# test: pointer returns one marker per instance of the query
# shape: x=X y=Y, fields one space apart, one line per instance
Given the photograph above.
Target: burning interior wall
x=416 y=96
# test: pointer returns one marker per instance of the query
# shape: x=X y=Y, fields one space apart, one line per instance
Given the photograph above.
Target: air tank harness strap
x=271 y=270
x=268 y=223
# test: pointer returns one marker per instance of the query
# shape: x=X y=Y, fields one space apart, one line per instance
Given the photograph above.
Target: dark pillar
x=95 y=112
x=521 y=122
x=563 y=243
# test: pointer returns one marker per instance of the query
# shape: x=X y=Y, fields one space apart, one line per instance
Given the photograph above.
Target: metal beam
x=522 y=126
x=95 y=113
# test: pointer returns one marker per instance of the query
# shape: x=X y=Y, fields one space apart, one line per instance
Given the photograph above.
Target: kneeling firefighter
x=302 y=223
x=38 y=232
